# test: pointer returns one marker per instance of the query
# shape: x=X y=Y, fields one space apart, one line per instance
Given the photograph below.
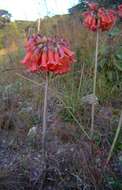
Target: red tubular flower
x=52 y=67
x=34 y=63
x=26 y=58
x=48 y=54
x=106 y=19
x=33 y=67
x=93 y=26
x=69 y=53
x=43 y=61
x=51 y=63
x=88 y=21
x=64 y=60
x=50 y=57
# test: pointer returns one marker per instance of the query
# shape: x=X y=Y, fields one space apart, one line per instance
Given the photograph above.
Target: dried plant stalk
x=94 y=84
x=115 y=139
x=38 y=25
x=44 y=115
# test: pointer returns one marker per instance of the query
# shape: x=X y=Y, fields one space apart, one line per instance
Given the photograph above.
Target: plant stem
x=94 y=84
x=115 y=139
x=38 y=25
x=44 y=116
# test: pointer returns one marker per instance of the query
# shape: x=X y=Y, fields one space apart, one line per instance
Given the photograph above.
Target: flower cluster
x=49 y=54
x=99 y=18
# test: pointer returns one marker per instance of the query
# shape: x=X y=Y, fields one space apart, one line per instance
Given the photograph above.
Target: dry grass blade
x=26 y=78
x=94 y=85
x=115 y=139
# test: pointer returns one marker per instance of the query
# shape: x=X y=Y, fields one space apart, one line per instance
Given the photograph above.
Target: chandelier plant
x=48 y=55
x=98 y=19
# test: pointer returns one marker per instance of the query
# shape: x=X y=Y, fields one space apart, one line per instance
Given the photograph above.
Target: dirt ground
x=72 y=162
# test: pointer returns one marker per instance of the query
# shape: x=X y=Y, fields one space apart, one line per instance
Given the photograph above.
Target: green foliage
x=118 y=56
x=118 y=145
x=5 y=13
x=78 y=8
x=109 y=3
x=10 y=89
x=73 y=91
x=1 y=40
x=114 y=183
x=110 y=65
x=4 y=18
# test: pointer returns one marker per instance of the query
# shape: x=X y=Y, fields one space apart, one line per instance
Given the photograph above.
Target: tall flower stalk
x=94 y=83
x=97 y=19
x=48 y=55
x=44 y=126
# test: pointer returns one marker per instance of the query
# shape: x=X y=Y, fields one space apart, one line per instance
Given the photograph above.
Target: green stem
x=94 y=84
x=115 y=139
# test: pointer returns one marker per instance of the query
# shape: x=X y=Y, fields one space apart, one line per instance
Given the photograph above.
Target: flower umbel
x=49 y=54
x=99 y=18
